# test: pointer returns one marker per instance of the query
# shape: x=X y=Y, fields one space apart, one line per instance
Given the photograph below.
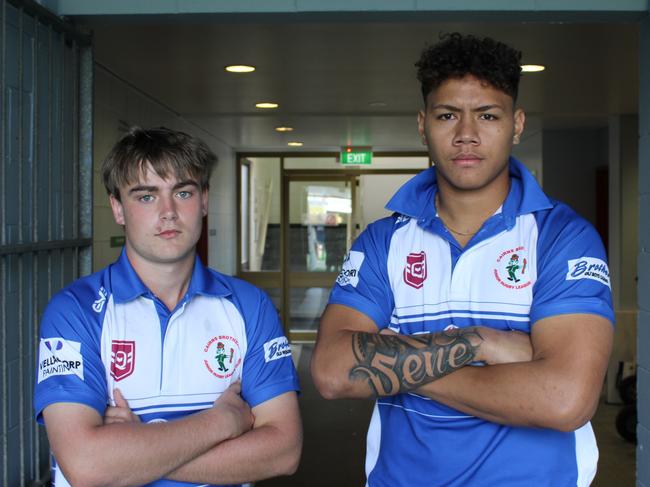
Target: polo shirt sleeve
x=363 y=282
x=268 y=369
x=69 y=367
x=573 y=275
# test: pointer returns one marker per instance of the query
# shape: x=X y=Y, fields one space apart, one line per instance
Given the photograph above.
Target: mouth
x=167 y=234
x=467 y=159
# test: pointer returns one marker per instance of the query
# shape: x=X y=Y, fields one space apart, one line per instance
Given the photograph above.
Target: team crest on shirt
x=122 y=359
x=221 y=356
x=415 y=270
x=512 y=269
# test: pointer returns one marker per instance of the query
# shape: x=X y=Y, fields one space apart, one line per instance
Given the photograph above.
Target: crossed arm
x=227 y=443
x=554 y=384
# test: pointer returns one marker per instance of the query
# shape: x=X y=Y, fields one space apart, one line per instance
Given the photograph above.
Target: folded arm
x=131 y=453
x=558 y=389
x=351 y=359
x=272 y=448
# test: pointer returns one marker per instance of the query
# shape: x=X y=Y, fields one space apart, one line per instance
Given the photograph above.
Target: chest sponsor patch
x=512 y=269
x=415 y=270
x=122 y=359
x=588 y=268
x=222 y=356
x=57 y=356
x=350 y=271
x=276 y=349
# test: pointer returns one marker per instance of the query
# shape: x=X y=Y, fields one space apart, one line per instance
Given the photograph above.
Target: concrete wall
x=643 y=344
x=119 y=105
x=570 y=161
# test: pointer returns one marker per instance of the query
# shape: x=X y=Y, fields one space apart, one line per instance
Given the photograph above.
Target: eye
x=184 y=194
x=445 y=116
x=146 y=198
x=488 y=116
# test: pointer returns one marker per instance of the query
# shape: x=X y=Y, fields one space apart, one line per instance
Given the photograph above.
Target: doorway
x=298 y=216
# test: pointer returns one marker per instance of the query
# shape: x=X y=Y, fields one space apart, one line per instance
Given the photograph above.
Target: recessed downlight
x=284 y=129
x=267 y=104
x=240 y=68
x=295 y=144
x=532 y=68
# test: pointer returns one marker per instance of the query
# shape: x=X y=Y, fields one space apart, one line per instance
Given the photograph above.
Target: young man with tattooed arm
x=479 y=314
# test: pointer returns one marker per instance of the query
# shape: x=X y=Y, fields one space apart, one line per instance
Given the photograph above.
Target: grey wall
x=643 y=431
x=570 y=161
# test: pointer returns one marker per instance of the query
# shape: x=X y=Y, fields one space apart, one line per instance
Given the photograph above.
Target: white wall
x=119 y=105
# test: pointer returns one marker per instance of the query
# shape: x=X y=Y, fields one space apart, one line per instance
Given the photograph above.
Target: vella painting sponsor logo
x=57 y=365
x=58 y=356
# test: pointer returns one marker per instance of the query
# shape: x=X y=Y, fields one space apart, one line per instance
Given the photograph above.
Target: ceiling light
x=266 y=104
x=377 y=104
x=240 y=68
x=284 y=129
x=294 y=144
x=532 y=68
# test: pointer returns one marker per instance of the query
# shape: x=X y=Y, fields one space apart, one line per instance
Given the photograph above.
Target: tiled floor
x=334 y=445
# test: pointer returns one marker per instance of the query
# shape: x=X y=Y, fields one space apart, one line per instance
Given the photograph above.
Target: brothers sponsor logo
x=98 y=304
x=588 y=268
x=57 y=356
x=122 y=359
x=512 y=269
x=222 y=356
x=350 y=271
x=415 y=271
x=276 y=349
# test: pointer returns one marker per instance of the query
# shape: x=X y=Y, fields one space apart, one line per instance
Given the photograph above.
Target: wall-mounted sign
x=356 y=155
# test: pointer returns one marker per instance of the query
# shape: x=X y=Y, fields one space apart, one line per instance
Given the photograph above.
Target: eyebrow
x=452 y=108
x=154 y=189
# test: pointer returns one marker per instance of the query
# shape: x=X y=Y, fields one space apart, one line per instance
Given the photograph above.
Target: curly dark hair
x=457 y=55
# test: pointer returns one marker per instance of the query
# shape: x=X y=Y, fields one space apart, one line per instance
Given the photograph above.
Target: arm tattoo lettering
x=400 y=363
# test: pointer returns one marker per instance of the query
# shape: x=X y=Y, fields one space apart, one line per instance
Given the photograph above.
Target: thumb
x=120 y=402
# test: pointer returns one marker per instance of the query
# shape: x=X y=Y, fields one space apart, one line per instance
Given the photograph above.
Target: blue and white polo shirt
x=108 y=330
x=532 y=259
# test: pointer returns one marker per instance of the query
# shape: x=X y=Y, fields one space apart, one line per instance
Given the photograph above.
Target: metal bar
x=3 y=272
x=86 y=156
x=49 y=136
x=52 y=20
x=44 y=246
x=62 y=135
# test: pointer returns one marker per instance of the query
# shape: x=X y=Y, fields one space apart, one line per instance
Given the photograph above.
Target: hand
x=121 y=412
x=505 y=347
x=236 y=410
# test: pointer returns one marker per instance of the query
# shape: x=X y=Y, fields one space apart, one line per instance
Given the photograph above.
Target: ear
x=118 y=210
x=204 y=201
x=421 y=129
x=520 y=121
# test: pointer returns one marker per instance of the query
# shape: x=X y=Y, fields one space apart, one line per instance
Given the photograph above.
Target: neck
x=463 y=212
x=167 y=281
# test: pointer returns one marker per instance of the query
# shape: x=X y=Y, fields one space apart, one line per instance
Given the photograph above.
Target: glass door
x=320 y=211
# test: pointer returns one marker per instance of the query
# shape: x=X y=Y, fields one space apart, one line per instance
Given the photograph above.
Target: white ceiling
x=324 y=75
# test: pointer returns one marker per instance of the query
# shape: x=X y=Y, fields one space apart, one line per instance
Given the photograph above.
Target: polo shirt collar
x=127 y=285
x=416 y=197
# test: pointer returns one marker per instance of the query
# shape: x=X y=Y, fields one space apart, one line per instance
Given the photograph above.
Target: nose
x=168 y=208
x=466 y=132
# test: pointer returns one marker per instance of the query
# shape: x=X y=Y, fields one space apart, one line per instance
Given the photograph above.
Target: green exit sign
x=356 y=155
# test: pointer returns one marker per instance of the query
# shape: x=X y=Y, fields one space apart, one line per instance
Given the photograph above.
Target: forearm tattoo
x=400 y=363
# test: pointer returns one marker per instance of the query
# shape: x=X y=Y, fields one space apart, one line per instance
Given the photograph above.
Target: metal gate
x=45 y=206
